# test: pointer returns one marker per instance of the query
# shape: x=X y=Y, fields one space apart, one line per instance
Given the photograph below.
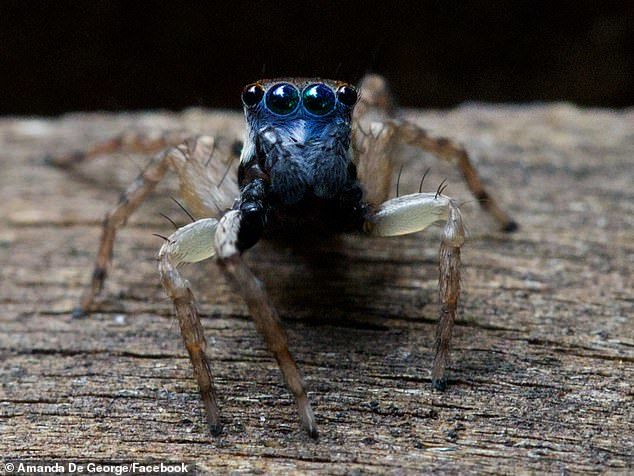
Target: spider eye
x=282 y=98
x=252 y=94
x=318 y=99
x=347 y=95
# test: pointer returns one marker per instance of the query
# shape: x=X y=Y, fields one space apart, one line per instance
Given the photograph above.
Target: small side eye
x=252 y=94
x=282 y=98
x=347 y=95
x=318 y=99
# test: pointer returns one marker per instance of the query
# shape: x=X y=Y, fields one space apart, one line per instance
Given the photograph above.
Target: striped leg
x=263 y=313
x=415 y=212
x=448 y=150
x=199 y=187
x=129 y=141
x=191 y=244
x=378 y=132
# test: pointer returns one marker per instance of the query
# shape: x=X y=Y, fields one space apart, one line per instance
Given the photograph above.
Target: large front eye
x=282 y=98
x=252 y=94
x=318 y=99
x=347 y=95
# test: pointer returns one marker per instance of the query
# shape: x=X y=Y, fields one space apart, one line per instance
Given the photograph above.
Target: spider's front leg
x=376 y=111
x=190 y=244
x=416 y=212
x=447 y=149
x=200 y=183
x=238 y=230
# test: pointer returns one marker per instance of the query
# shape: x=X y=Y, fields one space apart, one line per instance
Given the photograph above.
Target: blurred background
x=112 y=55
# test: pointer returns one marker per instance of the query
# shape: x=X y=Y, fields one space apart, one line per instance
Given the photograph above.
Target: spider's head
x=298 y=133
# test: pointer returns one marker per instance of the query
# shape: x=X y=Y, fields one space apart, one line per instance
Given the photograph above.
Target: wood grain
x=543 y=357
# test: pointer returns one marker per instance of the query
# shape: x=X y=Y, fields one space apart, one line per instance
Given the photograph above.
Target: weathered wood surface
x=543 y=358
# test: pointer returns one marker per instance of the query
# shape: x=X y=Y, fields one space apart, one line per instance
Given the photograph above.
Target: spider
x=318 y=156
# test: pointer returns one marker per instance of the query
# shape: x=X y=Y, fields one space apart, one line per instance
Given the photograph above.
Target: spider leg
x=190 y=244
x=129 y=201
x=415 y=212
x=375 y=112
x=198 y=186
x=373 y=139
x=244 y=282
x=375 y=147
x=448 y=150
x=133 y=141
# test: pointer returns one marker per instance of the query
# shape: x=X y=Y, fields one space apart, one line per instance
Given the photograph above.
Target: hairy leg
x=375 y=148
x=129 y=201
x=190 y=244
x=133 y=141
x=200 y=187
x=415 y=212
x=376 y=112
x=264 y=314
x=448 y=150
x=373 y=140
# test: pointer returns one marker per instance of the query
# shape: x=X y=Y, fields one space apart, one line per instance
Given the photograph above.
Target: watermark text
x=24 y=467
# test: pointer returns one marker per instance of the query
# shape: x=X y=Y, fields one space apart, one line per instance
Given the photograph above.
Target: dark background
x=132 y=55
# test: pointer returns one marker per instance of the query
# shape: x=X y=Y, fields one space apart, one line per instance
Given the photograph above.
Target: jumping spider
x=317 y=156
